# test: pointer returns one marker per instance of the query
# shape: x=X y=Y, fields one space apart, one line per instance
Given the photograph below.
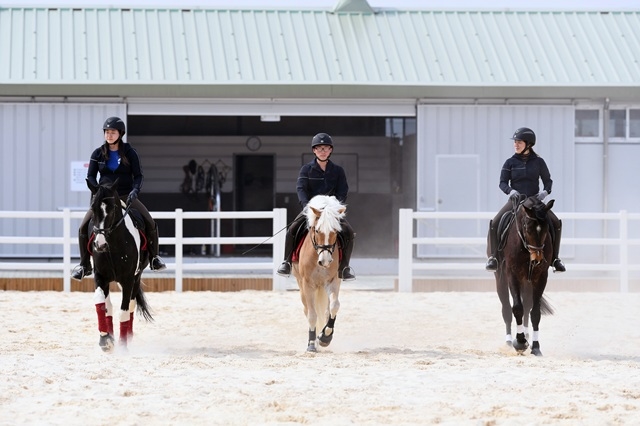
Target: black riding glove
x=133 y=195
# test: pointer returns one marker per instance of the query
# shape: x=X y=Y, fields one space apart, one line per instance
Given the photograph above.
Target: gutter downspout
x=605 y=167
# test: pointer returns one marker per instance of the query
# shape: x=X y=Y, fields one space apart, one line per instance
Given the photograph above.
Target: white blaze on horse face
x=325 y=257
x=100 y=240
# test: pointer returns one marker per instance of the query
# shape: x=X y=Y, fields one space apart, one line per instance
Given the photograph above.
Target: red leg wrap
x=101 y=310
x=124 y=331
x=110 y=325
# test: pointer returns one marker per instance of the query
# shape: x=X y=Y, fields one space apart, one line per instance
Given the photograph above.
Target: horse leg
x=125 y=315
x=311 y=314
x=132 y=309
x=503 y=294
x=520 y=344
x=536 y=313
x=105 y=323
x=334 y=305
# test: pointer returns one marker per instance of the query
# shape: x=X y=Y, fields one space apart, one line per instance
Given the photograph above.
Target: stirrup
x=284 y=269
x=347 y=274
x=80 y=271
x=492 y=264
x=157 y=264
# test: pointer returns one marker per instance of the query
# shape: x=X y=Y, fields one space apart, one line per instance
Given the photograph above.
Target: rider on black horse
x=116 y=159
x=320 y=177
x=521 y=175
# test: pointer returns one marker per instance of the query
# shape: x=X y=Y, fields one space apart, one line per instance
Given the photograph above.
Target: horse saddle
x=503 y=227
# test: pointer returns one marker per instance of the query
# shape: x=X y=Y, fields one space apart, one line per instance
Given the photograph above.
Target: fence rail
x=68 y=239
x=407 y=262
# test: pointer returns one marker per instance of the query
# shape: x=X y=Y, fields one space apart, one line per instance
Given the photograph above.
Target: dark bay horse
x=524 y=257
x=119 y=255
x=317 y=268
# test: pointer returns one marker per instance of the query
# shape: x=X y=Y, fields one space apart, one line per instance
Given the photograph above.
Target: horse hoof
x=107 y=344
x=535 y=349
x=312 y=348
x=324 y=340
x=520 y=344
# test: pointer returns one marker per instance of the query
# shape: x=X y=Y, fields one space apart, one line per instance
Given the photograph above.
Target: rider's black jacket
x=313 y=181
x=523 y=173
x=129 y=176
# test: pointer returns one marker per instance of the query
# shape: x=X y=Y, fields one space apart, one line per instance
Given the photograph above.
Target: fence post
x=66 y=250
x=279 y=232
x=624 y=252
x=405 y=251
x=179 y=249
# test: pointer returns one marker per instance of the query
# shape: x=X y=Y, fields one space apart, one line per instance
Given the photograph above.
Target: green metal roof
x=315 y=53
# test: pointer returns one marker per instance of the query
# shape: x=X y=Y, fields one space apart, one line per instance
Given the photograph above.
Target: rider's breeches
x=492 y=234
x=83 y=238
x=555 y=228
x=150 y=228
x=346 y=237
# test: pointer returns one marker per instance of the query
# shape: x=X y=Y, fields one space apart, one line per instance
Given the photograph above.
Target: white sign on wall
x=79 y=175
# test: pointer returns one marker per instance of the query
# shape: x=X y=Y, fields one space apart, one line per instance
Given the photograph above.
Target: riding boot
x=84 y=268
x=492 y=262
x=345 y=272
x=557 y=264
x=289 y=244
x=156 y=263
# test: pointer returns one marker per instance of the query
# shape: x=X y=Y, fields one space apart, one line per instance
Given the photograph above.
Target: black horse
x=119 y=255
x=524 y=256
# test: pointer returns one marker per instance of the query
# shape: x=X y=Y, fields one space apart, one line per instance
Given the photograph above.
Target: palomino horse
x=119 y=256
x=317 y=268
x=524 y=258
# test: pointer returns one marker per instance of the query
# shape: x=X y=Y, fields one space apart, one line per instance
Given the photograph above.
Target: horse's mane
x=332 y=211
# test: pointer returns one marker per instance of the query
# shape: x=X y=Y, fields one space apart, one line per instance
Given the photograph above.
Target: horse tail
x=322 y=307
x=143 y=306
x=545 y=307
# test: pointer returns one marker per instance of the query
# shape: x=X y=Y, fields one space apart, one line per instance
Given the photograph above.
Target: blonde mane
x=331 y=211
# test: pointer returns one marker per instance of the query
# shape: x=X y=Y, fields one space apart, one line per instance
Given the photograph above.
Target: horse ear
x=315 y=211
x=342 y=210
x=550 y=204
x=93 y=188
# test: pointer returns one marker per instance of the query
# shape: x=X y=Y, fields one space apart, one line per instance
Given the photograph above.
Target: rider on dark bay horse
x=320 y=177
x=116 y=159
x=521 y=175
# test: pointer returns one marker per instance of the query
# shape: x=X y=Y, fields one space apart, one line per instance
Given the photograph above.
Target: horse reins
x=531 y=249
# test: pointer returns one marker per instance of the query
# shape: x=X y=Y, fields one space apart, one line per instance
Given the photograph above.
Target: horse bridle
x=322 y=247
x=533 y=250
x=109 y=230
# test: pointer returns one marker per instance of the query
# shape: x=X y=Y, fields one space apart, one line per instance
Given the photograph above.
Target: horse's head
x=534 y=226
x=323 y=217
x=107 y=212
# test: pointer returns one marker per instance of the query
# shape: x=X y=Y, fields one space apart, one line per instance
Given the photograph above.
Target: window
x=634 y=123
x=623 y=125
x=617 y=123
x=587 y=123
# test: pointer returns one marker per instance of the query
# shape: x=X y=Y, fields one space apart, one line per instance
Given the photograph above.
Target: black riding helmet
x=115 y=123
x=321 y=139
x=525 y=134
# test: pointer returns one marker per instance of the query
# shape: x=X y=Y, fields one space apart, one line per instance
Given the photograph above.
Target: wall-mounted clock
x=253 y=143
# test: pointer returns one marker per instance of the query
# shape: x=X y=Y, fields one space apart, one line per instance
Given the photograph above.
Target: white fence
x=408 y=263
x=69 y=238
